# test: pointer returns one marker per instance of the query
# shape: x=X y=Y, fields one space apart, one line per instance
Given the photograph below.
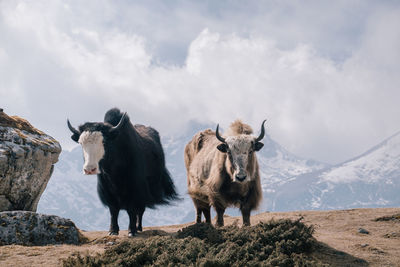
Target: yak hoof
x=140 y=228
x=113 y=233
x=131 y=234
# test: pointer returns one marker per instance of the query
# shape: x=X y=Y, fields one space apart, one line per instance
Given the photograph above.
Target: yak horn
x=220 y=138
x=120 y=123
x=73 y=130
x=261 y=136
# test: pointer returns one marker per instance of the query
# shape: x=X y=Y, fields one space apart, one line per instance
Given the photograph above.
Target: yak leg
x=198 y=215
x=198 y=206
x=202 y=207
x=245 y=207
x=207 y=214
x=132 y=222
x=246 y=216
x=220 y=215
x=140 y=216
x=220 y=209
x=114 y=228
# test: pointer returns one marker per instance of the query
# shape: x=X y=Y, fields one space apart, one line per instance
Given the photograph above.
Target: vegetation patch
x=395 y=217
x=18 y=123
x=392 y=235
x=275 y=243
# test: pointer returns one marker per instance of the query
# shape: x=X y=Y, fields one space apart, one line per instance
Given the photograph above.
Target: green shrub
x=275 y=243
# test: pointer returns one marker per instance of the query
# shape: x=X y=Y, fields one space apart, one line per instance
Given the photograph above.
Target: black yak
x=130 y=166
x=223 y=171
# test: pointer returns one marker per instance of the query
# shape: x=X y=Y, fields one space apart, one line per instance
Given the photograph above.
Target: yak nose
x=90 y=170
x=240 y=178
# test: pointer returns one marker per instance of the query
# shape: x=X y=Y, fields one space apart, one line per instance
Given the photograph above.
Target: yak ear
x=258 y=146
x=75 y=137
x=223 y=147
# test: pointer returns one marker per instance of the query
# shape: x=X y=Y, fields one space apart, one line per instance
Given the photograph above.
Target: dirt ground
x=337 y=231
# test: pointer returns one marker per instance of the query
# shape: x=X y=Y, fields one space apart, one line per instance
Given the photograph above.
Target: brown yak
x=223 y=171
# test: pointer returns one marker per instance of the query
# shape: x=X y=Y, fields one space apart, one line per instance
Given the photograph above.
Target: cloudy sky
x=325 y=75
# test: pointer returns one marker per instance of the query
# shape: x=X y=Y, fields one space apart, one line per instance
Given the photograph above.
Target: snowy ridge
x=278 y=166
x=376 y=164
x=369 y=180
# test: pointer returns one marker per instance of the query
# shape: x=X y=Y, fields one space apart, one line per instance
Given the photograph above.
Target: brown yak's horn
x=220 y=138
x=73 y=130
x=120 y=123
x=261 y=136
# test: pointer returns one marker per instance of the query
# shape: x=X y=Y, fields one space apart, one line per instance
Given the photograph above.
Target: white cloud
x=58 y=61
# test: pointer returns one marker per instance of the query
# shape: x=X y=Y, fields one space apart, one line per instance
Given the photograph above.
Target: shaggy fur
x=210 y=173
x=238 y=127
x=133 y=174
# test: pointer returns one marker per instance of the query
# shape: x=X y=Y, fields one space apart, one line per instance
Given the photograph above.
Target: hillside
x=337 y=233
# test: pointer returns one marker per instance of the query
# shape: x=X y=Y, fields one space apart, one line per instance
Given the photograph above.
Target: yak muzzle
x=90 y=171
x=240 y=178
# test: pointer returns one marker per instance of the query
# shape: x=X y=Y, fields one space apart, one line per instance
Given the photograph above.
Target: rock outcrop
x=27 y=158
x=33 y=229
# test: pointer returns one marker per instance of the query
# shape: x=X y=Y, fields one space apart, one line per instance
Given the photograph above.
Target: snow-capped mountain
x=278 y=167
x=71 y=194
x=369 y=180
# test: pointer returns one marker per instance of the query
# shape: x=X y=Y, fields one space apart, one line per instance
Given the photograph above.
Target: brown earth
x=340 y=242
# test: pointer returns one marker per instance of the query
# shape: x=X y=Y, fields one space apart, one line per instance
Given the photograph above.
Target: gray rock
x=27 y=158
x=34 y=229
x=363 y=231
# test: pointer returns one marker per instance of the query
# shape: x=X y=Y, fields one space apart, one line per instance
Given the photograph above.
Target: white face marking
x=240 y=146
x=93 y=151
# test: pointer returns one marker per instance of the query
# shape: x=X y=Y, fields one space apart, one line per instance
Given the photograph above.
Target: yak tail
x=168 y=187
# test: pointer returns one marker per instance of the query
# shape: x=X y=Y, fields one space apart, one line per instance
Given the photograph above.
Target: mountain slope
x=369 y=180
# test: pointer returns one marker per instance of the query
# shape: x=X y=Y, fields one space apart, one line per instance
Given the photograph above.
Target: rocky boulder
x=33 y=229
x=27 y=158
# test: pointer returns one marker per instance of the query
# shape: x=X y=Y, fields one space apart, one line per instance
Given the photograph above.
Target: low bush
x=394 y=217
x=275 y=243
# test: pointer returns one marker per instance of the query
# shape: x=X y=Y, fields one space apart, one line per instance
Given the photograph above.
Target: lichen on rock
x=30 y=228
x=27 y=158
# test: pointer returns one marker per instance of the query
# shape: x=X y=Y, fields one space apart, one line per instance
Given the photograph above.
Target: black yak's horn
x=220 y=138
x=73 y=130
x=261 y=136
x=120 y=123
